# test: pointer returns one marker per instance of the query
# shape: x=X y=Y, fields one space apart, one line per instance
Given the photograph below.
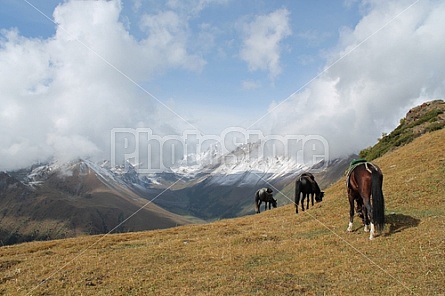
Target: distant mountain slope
x=217 y=195
x=334 y=171
x=73 y=200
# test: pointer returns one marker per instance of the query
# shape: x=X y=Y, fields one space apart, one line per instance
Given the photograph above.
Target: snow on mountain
x=245 y=165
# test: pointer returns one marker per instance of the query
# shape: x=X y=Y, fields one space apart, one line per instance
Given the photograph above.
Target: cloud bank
x=61 y=96
x=391 y=61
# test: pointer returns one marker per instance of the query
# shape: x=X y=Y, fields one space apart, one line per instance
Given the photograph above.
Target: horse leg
x=351 y=211
x=302 y=202
x=307 y=201
x=372 y=232
x=365 y=219
x=312 y=199
x=297 y=196
x=265 y=206
x=296 y=201
x=368 y=218
x=258 y=204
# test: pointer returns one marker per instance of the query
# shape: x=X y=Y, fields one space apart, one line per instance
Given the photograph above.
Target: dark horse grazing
x=306 y=185
x=364 y=183
x=264 y=194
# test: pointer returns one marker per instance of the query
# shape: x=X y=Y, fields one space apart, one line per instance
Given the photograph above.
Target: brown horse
x=364 y=185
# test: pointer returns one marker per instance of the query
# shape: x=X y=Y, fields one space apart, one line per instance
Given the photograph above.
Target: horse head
x=319 y=196
x=273 y=202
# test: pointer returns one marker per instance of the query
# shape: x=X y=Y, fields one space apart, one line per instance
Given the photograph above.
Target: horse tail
x=378 y=202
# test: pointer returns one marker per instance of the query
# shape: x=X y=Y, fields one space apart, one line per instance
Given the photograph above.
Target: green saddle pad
x=357 y=161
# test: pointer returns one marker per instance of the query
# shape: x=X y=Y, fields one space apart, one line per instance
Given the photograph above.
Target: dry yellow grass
x=273 y=253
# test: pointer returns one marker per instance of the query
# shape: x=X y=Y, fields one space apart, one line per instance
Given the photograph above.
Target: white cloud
x=167 y=39
x=63 y=95
x=369 y=89
x=262 y=43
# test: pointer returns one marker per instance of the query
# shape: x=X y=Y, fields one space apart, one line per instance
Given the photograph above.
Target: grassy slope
x=273 y=253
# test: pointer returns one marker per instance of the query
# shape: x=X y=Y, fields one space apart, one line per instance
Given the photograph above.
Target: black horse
x=264 y=194
x=306 y=185
x=364 y=185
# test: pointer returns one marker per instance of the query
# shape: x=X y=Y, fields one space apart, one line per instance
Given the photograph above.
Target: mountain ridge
x=70 y=200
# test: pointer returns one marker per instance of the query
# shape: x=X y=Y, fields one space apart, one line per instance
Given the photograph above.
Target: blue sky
x=283 y=67
x=234 y=83
x=216 y=34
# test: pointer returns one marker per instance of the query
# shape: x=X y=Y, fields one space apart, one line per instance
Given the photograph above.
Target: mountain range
x=82 y=197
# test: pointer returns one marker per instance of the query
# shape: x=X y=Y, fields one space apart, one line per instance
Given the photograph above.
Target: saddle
x=355 y=163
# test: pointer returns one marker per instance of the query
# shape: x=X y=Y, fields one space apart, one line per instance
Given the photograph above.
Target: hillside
x=427 y=117
x=273 y=253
